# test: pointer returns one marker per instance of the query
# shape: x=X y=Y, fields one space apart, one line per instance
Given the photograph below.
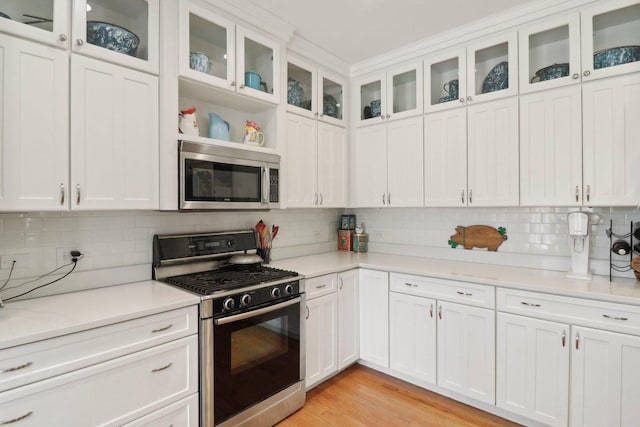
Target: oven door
x=256 y=355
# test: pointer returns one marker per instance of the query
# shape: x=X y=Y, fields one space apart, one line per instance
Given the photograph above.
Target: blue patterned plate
x=497 y=79
x=330 y=106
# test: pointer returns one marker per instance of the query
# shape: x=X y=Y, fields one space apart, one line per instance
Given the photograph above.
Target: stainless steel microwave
x=215 y=177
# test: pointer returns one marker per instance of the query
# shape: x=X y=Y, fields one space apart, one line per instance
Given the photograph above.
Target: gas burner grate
x=227 y=278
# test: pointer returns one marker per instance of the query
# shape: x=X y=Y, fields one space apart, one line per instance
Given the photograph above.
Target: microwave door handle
x=265 y=185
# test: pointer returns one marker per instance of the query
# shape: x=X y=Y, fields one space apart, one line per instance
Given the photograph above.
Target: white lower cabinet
x=184 y=413
x=348 y=319
x=374 y=317
x=605 y=378
x=412 y=336
x=466 y=350
x=532 y=368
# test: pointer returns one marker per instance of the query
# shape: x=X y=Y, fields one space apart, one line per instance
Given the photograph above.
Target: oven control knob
x=229 y=304
x=288 y=289
x=275 y=292
x=245 y=299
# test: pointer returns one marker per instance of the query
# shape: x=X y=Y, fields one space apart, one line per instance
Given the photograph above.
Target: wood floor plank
x=363 y=397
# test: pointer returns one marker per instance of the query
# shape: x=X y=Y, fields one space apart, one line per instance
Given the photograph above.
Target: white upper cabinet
x=315 y=93
x=390 y=95
x=216 y=52
x=610 y=38
x=44 y=21
x=482 y=71
x=550 y=53
x=125 y=32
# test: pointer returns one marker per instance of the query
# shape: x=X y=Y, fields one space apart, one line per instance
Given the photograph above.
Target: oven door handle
x=242 y=316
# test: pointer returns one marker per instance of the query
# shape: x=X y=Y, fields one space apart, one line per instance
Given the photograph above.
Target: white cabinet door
x=332 y=166
x=54 y=33
x=611 y=108
x=412 y=336
x=34 y=126
x=371 y=166
x=322 y=333
x=532 y=361
x=551 y=148
x=301 y=161
x=466 y=350
x=404 y=91
x=374 y=317
x=493 y=153
x=258 y=54
x=405 y=163
x=445 y=158
x=348 y=319
x=605 y=378
x=114 y=138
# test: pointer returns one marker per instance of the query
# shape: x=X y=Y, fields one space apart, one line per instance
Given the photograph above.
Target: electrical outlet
x=6 y=261
x=63 y=256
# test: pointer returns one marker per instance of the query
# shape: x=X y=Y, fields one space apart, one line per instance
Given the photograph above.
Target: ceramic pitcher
x=187 y=123
x=252 y=134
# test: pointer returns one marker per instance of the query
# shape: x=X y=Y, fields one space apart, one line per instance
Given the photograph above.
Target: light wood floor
x=363 y=397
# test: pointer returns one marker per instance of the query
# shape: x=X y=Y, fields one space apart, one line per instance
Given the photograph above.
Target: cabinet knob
x=241 y=86
x=315 y=114
x=80 y=42
x=388 y=116
x=63 y=37
x=586 y=73
x=382 y=116
x=574 y=76
x=462 y=100
x=233 y=83
x=469 y=98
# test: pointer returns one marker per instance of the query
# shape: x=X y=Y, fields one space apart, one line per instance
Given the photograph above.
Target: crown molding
x=464 y=34
x=303 y=47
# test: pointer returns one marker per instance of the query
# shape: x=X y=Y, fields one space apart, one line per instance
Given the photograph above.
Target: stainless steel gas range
x=251 y=326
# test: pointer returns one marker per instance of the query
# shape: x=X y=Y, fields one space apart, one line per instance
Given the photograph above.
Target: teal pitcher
x=218 y=128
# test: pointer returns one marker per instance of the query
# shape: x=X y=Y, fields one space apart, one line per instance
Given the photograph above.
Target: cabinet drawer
x=35 y=361
x=180 y=414
x=109 y=393
x=446 y=290
x=597 y=314
x=321 y=285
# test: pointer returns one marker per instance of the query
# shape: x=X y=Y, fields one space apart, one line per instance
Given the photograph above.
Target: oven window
x=222 y=182
x=255 y=358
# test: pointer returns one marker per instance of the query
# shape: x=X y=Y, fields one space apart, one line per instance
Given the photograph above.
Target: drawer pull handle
x=529 y=304
x=431 y=310
x=614 y=318
x=577 y=340
x=16 y=368
x=308 y=312
x=564 y=338
x=15 y=420
x=169 y=326
x=466 y=294
x=410 y=285
x=321 y=286
x=440 y=312
x=163 y=368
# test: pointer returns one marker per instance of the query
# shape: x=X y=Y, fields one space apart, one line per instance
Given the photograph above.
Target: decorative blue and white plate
x=112 y=37
x=497 y=79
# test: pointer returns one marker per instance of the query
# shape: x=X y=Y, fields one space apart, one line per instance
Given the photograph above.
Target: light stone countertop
x=621 y=290
x=37 y=319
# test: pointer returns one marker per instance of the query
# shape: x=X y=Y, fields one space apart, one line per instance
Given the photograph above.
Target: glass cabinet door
x=332 y=105
x=445 y=84
x=207 y=47
x=404 y=91
x=610 y=39
x=45 y=21
x=120 y=31
x=370 y=99
x=257 y=69
x=302 y=89
x=492 y=68
x=550 y=53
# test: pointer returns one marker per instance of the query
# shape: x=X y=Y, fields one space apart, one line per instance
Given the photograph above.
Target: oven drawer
x=321 y=285
x=183 y=413
x=596 y=314
x=446 y=290
x=35 y=361
x=109 y=393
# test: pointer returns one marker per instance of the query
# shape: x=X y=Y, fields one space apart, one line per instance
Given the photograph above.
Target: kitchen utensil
x=551 y=72
x=200 y=62
x=261 y=229
x=112 y=37
x=616 y=56
x=274 y=231
x=497 y=79
x=187 y=123
x=375 y=108
x=451 y=88
x=252 y=134
x=330 y=106
x=245 y=259
x=252 y=79
x=218 y=128
x=294 y=93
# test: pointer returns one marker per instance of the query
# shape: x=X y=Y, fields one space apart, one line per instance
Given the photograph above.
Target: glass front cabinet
x=216 y=52
x=390 y=95
x=315 y=93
